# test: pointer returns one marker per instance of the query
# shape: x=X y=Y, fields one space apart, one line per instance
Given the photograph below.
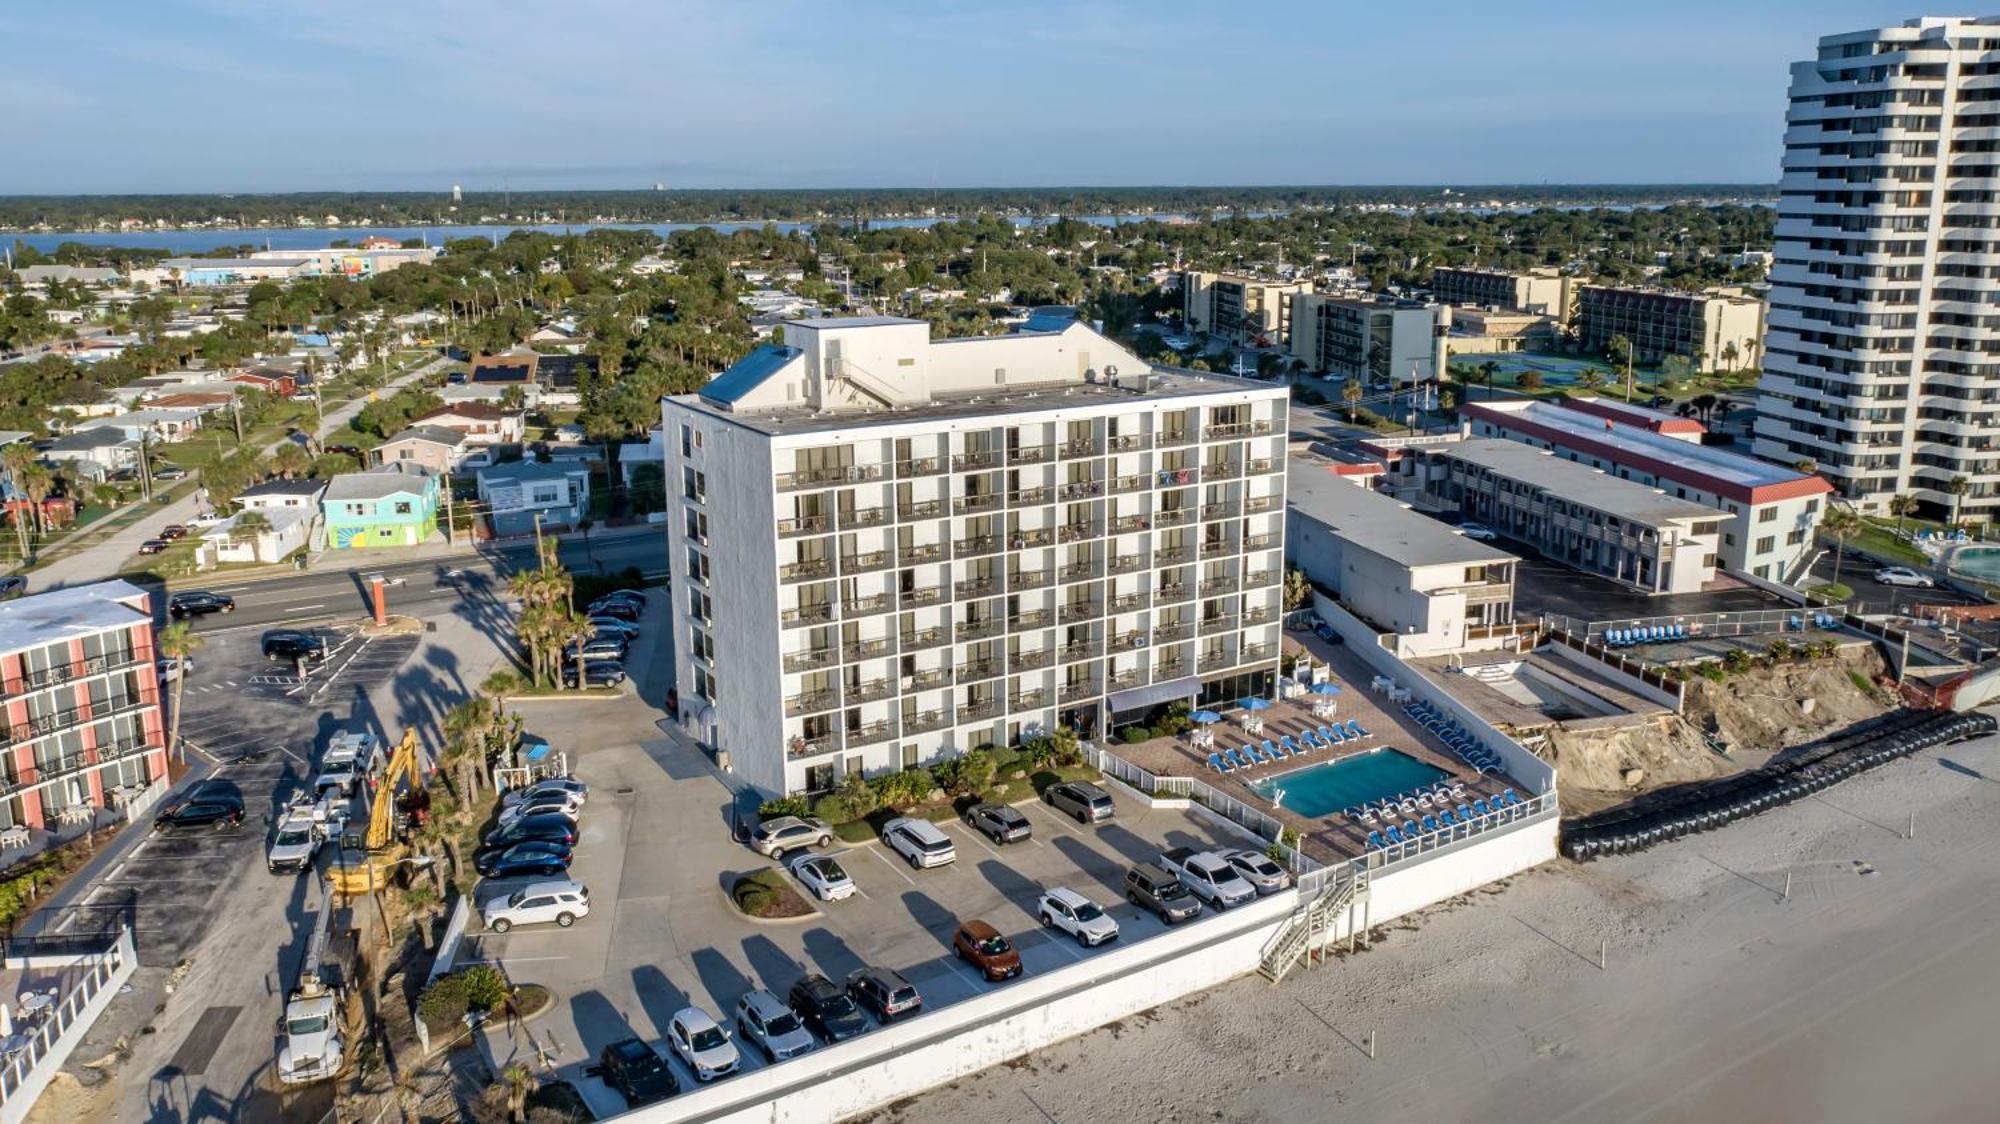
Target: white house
x=517 y=492
x=227 y=541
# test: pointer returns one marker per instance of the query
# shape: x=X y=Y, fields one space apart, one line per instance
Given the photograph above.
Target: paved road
x=1858 y=574
x=106 y=556
x=424 y=586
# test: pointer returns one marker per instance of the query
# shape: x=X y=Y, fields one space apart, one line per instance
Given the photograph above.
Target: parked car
x=558 y=828
x=1087 y=802
x=170 y=472
x=1903 y=575
x=826 y=1008
x=198 y=603
x=152 y=546
x=773 y=1027
x=517 y=862
x=1478 y=531
x=622 y=610
x=292 y=644
x=614 y=626
x=595 y=648
x=1067 y=911
x=1001 y=823
x=824 y=876
x=694 y=1034
x=172 y=669
x=981 y=945
x=546 y=846
x=547 y=804
x=173 y=532
x=538 y=903
x=637 y=1071
x=1256 y=868
x=1210 y=876
x=596 y=673
x=776 y=836
x=550 y=786
x=630 y=596
x=919 y=842
x=221 y=815
x=1149 y=887
x=884 y=992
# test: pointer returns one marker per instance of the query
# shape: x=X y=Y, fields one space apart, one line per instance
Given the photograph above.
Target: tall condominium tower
x=1881 y=362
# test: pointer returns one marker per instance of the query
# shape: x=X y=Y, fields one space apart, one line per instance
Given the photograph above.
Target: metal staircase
x=1312 y=926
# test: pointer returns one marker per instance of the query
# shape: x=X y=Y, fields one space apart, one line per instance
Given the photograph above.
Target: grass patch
x=768 y=894
x=1882 y=541
x=1056 y=774
x=855 y=831
x=1830 y=593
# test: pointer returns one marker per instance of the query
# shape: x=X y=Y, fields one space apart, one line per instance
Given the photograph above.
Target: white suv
x=702 y=1044
x=920 y=842
x=538 y=902
x=1072 y=913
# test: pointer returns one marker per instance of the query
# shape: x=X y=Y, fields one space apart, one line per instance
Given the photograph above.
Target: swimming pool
x=1982 y=562
x=1319 y=790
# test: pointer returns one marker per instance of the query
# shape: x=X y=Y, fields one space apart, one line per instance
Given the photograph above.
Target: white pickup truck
x=296 y=841
x=349 y=757
x=1209 y=876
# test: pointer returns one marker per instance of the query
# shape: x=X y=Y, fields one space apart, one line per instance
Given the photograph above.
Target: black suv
x=557 y=829
x=637 y=1071
x=596 y=673
x=290 y=644
x=200 y=602
x=201 y=811
x=827 y=1009
x=884 y=992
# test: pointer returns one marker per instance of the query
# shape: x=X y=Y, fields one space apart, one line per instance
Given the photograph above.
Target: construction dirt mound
x=1725 y=727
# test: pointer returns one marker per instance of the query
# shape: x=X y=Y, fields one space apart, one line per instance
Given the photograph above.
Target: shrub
x=479 y=988
x=1780 y=650
x=784 y=806
x=1711 y=671
x=899 y=790
x=767 y=894
x=1068 y=751
x=1038 y=753
x=859 y=794
x=1133 y=735
x=833 y=808
x=1005 y=760
x=1736 y=660
x=1830 y=593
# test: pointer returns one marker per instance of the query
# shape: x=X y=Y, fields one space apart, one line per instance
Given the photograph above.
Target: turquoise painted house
x=394 y=505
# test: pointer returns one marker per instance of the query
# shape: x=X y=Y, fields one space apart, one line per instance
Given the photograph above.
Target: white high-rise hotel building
x=888 y=548
x=1881 y=359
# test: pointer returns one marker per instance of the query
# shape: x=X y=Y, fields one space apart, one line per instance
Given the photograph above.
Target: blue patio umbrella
x=1253 y=704
x=1205 y=717
x=1326 y=689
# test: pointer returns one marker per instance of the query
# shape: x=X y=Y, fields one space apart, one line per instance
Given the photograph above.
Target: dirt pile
x=1753 y=714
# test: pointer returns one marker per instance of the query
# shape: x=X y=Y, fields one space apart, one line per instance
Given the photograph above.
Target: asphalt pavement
x=1857 y=572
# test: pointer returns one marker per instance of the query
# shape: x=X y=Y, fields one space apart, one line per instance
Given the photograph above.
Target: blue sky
x=282 y=95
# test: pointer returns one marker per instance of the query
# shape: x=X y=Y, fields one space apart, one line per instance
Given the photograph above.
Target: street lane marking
x=892 y=866
x=315 y=605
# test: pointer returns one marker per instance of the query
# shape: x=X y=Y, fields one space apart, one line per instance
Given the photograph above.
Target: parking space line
x=983 y=845
x=1060 y=821
x=892 y=866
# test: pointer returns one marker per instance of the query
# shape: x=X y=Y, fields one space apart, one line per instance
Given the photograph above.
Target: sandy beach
x=1869 y=995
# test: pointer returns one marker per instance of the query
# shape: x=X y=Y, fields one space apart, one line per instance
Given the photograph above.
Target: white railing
x=1529 y=810
x=27 y=1070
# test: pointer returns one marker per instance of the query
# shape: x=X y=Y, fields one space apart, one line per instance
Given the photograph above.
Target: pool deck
x=1330 y=838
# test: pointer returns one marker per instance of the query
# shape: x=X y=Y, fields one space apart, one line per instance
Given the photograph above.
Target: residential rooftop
x=1708 y=467
x=394 y=478
x=1576 y=483
x=1378 y=523
x=41 y=619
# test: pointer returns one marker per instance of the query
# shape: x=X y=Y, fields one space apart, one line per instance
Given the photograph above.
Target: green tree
x=1902 y=505
x=1838 y=524
x=1958 y=488
x=1351 y=393
x=178 y=642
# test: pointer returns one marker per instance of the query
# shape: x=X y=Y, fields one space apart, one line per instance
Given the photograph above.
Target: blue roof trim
x=748 y=373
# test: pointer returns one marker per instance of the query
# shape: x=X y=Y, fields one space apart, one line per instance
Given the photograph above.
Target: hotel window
x=1768 y=515
x=1766 y=544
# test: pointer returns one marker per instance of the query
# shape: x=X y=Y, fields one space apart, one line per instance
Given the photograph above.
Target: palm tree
x=1902 y=505
x=1590 y=379
x=1486 y=372
x=1839 y=523
x=1730 y=354
x=16 y=458
x=576 y=629
x=1351 y=394
x=290 y=460
x=179 y=642
x=36 y=482
x=1958 y=487
x=1620 y=350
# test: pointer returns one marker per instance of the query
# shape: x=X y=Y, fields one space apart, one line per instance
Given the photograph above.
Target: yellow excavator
x=366 y=869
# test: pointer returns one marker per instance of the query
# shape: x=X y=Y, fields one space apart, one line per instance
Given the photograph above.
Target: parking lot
x=655 y=851
x=1542 y=586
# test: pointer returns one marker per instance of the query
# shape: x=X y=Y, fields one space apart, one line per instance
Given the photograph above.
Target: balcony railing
x=975 y=587
x=1258 y=578
x=870 y=691
x=1211 y=547
x=1173 y=594
x=1253 y=652
x=805 y=615
x=1211 y=587
x=1168 y=633
x=1176 y=437
x=973 y=671
x=928 y=679
x=977 y=545
x=1029 y=661
x=1082 y=650
x=925 y=638
x=1172 y=556
x=921 y=553
x=1260 y=542
x=1261 y=466
x=1255 y=504
x=1030 y=497
x=980 y=629
x=866 y=563
x=1130 y=524
x=1079 y=691
x=1130 y=442
x=923 y=722
x=1259 y=616
x=801 y=746
x=985 y=458
x=1033 y=618
x=806 y=570
x=57 y=766
x=1216 y=661
x=1078 y=532
x=1084 y=448
x=919 y=466
x=1125 y=485
x=1131 y=602
x=978 y=709
x=1081 y=571
x=1030 y=454
x=1077 y=611
x=1170 y=669
x=1224 y=470
x=921 y=509
x=881 y=730
x=1127 y=563
x=1124 y=680
x=1028 y=700
x=1221 y=622
x=860 y=517
x=1130 y=640
x=1032 y=537
x=1021 y=580
x=916 y=598
x=827 y=477
x=810 y=660
x=867 y=606
x=811 y=702
x=1082 y=489
x=804 y=525
x=1173 y=516
x=868 y=649
x=1177 y=477
x=965 y=505
x=69 y=672
x=1218 y=511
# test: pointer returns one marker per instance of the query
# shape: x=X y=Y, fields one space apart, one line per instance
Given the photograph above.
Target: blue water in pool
x=1982 y=562
x=1319 y=790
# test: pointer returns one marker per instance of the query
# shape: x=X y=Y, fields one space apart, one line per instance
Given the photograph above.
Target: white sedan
x=1903 y=575
x=824 y=876
x=1479 y=532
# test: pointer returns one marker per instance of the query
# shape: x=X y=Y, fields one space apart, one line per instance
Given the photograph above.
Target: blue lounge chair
x=1290 y=746
x=1446 y=818
x=1331 y=735
x=1395 y=836
x=1216 y=762
x=1271 y=750
x=1236 y=758
x=1375 y=841
x=1794 y=623
x=1354 y=729
x=1313 y=739
x=1465 y=813
x=1431 y=824
x=1510 y=796
x=1480 y=807
x=1255 y=755
x=1411 y=829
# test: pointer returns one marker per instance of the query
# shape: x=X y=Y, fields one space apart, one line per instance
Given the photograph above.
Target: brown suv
x=982 y=946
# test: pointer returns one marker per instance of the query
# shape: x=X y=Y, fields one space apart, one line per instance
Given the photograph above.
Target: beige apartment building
x=1717 y=329
x=1240 y=308
x=1543 y=292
